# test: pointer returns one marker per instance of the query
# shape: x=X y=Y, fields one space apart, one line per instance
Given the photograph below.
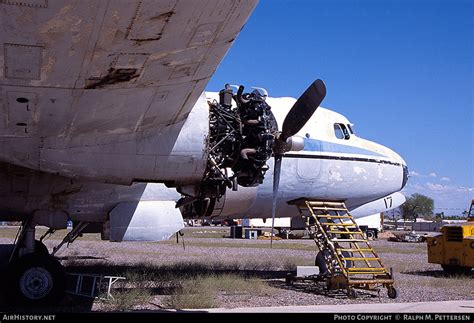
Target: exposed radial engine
x=241 y=140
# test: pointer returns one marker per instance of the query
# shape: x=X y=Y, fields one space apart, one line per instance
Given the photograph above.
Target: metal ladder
x=91 y=285
x=351 y=261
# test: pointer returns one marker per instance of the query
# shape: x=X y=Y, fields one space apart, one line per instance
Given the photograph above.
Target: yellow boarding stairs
x=350 y=260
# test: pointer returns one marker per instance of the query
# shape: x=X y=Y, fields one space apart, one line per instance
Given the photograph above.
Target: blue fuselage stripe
x=331 y=147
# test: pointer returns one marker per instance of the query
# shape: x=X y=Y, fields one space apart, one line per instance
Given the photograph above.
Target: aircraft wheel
x=35 y=279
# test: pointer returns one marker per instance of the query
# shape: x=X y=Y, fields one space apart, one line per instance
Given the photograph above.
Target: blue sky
x=401 y=71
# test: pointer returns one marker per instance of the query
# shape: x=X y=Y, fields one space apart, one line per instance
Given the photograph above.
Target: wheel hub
x=36 y=283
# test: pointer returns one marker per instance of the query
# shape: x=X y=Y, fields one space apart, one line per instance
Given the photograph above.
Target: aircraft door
x=309 y=169
x=310 y=172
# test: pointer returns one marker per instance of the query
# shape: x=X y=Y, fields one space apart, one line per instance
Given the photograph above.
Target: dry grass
x=398 y=250
x=206 y=232
x=241 y=243
x=440 y=282
x=191 y=294
x=9 y=232
x=186 y=284
x=201 y=291
x=128 y=299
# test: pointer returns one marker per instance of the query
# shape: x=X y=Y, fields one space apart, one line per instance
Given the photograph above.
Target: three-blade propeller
x=299 y=114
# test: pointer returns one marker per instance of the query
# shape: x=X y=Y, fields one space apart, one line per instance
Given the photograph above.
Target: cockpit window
x=350 y=128
x=341 y=131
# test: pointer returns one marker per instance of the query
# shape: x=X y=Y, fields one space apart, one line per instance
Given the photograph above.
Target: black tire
x=41 y=249
x=352 y=293
x=323 y=270
x=370 y=234
x=35 y=279
x=321 y=263
x=452 y=270
x=392 y=292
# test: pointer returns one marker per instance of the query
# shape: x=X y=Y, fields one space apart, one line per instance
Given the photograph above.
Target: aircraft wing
x=96 y=73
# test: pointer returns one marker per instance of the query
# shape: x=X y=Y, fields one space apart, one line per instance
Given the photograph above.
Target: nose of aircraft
x=395 y=158
x=405 y=176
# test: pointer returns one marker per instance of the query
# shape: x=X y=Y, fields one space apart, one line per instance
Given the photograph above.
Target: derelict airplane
x=99 y=99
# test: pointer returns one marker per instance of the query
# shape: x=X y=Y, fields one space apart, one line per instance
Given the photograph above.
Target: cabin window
x=341 y=132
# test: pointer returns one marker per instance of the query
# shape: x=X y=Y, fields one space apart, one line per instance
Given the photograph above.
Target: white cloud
x=446 y=179
x=437 y=187
x=465 y=189
x=432 y=174
x=414 y=174
x=414 y=187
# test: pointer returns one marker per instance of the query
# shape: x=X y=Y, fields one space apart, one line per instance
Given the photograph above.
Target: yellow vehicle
x=453 y=248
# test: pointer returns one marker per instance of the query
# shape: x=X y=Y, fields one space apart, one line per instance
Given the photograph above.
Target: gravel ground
x=415 y=279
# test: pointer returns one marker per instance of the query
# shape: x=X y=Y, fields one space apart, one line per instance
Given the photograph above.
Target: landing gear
x=35 y=279
x=33 y=276
x=40 y=248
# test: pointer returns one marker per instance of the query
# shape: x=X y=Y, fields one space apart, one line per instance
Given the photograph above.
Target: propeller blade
x=276 y=183
x=303 y=109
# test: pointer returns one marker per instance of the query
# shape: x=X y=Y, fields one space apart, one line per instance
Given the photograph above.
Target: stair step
x=354 y=249
x=366 y=272
x=333 y=216
x=340 y=224
x=360 y=259
x=346 y=232
x=347 y=240
x=326 y=204
x=368 y=269
x=321 y=208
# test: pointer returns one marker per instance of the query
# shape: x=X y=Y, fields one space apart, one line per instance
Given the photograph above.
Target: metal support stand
x=350 y=260
x=91 y=285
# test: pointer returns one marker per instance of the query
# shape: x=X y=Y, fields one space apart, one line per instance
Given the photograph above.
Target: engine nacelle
x=240 y=141
x=233 y=202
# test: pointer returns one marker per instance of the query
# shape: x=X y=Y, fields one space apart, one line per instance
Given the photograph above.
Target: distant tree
x=417 y=205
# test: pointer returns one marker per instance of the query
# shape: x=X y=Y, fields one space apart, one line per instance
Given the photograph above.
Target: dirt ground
x=159 y=269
